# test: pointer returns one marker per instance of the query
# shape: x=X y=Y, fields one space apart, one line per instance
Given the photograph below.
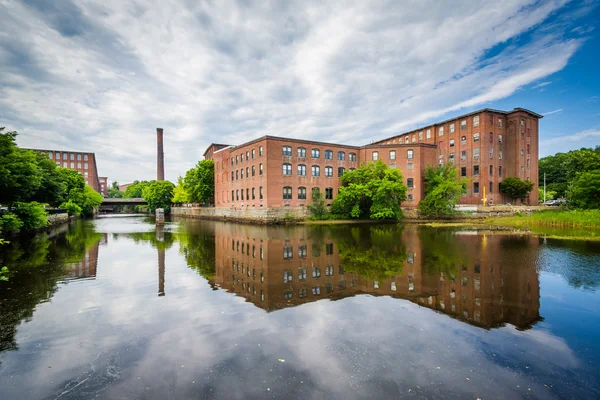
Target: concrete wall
x=250 y=214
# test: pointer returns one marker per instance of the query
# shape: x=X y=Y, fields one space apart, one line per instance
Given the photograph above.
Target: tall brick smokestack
x=160 y=156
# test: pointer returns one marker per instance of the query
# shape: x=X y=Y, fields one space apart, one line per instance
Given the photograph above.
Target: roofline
x=214 y=144
x=267 y=137
x=492 y=110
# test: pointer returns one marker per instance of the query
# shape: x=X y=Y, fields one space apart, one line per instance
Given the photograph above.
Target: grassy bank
x=573 y=219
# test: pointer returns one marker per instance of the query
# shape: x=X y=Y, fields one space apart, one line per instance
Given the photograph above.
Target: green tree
x=32 y=214
x=71 y=207
x=53 y=190
x=371 y=191
x=317 y=207
x=443 y=189
x=180 y=196
x=158 y=195
x=73 y=181
x=561 y=169
x=516 y=188
x=10 y=223
x=586 y=190
x=199 y=182
x=20 y=175
x=136 y=188
x=550 y=194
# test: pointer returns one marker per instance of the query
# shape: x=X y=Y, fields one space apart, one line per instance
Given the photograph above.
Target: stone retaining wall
x=263 y=215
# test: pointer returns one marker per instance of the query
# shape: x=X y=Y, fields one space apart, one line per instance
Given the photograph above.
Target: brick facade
x=485 y=146
x=82 y=162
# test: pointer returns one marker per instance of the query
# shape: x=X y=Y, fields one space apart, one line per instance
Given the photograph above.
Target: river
x=114 y=308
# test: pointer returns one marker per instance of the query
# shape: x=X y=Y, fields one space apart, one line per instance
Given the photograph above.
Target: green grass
x=579 y=219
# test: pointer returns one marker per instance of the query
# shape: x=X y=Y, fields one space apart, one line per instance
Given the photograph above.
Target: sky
x=102 y=76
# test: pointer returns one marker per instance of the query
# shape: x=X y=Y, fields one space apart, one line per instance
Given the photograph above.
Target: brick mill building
x=486 y=146
x=82 y=162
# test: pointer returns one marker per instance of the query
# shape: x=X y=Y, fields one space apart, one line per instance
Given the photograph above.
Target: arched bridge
x=108 y=204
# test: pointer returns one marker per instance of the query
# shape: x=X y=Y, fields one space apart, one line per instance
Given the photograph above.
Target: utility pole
x=544 y=187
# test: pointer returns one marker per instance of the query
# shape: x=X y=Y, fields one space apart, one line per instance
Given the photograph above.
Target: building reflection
x=87 y=267
x=483 y=279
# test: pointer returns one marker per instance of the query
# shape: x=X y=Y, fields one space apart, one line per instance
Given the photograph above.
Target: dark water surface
x=114 y=309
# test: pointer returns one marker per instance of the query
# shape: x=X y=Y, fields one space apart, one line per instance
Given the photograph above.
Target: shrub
x=32 y=215
x=10 y=223
x=158 y=195
x=317 y=207
x=71 y=207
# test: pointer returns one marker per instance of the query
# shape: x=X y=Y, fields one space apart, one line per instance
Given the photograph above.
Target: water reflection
x=479 y=279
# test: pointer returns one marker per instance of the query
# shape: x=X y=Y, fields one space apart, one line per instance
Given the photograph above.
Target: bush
x=442 y=191
x=72 y=208
x=317 y=207
x=158 y=195
x=10 y=223
x=32 y=215
x=516 y=188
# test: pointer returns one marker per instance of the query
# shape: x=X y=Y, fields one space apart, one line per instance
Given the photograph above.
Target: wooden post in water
x=160 y=216
x=160 y=237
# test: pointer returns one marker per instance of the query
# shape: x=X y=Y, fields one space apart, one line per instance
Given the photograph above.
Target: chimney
x=160 y=156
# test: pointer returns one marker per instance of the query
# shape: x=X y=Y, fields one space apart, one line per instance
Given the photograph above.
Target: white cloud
x=586 y=138
x=542 y=84
x=103 y=76
x=553 y=112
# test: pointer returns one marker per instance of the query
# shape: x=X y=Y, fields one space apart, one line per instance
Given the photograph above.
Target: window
x=522 y=169
x=491 y=187
x=85 y=174
x=260 y=169
x=316 y=271
x=237 y=159
x=329 y=193
x=329 y=270
x=451 y=142
x=352 y=156
x=406 y=139
x=475 y=187
x=428 y=133
x=499 y=123
x=260 y=151
x=72 y=165
x=287 y=275
x=301 y=170
x=287 y=169
x=237 y=175
x=253 y=194
x=247 y=194
x=463 y=155
x=247 y=172
x=242 y=173
x=452 y=127
x=410 y=197
x=491 y=153
x=451 y=157
x=85 y=165
x=500 y=171
x=528 y=149
x=463 y=125
x=410 y=182
x=85 y=157
x=316 y=170
x=491 y=170
x=475 y=121
x=463 y=171
x=242 y=198
x=287 y=192
x=410 y=154
x=242 y=157
x=79 y=165
x=260 y=195
x=499 y=154
x=287 y=151
x=329 y=172
x=420 y=136
x=375 y=156
x=440 y=131
x=328 y=249
x=247 y=156
x=522 y=152
x=253 y=153
x=414 y=139
x=500 y=139
x=341 y=171
x=410 y=165
x=392 y=154
x=301 y=152
x=476 y=154
x=72 y=156
x=476 y=137
x=463 y=140
x=475 y=170
x=232 y=161
x=232 y=175
x=301 y=193
x=253 y=170
x=58 y=163
x=232 y=197
x=341 y=156
x=328 y=155
x=78 y=157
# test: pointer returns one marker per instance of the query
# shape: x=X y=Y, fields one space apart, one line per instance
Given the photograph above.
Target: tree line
x=29 y=182
x=574 y=175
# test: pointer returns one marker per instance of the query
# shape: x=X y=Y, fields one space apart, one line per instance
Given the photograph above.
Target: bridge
x=109 y=204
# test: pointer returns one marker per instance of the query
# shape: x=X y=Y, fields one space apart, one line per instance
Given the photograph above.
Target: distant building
x=485 y=146
x=124 y=187
x=84 y=163
x=103 y=181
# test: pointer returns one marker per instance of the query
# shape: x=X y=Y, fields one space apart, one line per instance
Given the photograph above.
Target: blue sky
x=101 y=76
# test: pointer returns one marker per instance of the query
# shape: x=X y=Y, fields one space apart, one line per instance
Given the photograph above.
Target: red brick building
x=486 y=146
x=103 y=182
x=84 y=163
